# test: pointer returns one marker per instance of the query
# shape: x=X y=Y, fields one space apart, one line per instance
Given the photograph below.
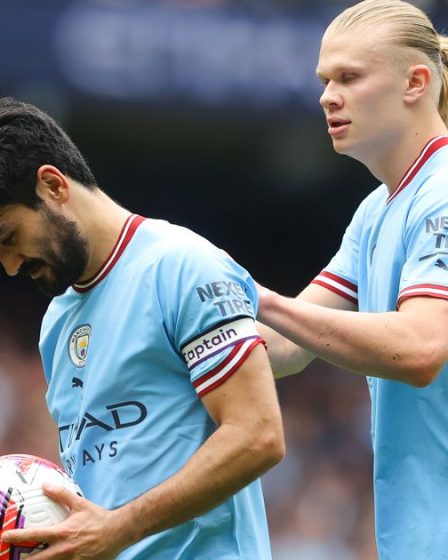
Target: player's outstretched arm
x=407 y=345
x=248 y=441
x=286 y=356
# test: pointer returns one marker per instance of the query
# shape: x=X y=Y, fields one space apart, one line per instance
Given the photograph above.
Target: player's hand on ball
x=90 y=532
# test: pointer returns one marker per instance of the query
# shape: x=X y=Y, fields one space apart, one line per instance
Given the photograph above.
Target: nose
x=331 y=98
x=11 y=262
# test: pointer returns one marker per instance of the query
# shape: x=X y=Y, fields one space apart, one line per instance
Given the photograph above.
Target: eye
x=7 y=239
x=345 y=78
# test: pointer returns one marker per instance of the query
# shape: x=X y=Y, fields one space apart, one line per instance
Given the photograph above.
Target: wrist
x=123 y=530
x=271 y=304
x=266 y=304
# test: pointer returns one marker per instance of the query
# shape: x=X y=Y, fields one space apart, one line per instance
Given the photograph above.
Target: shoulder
x=369 y=207
x=433 y=177
x=180 y=256
x=177 y=247
x=432 y=190
x=377 y=197
x=168 y=239
x=164 y=250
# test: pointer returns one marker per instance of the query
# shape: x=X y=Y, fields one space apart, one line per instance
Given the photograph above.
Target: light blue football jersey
x=396 y=247
x=128 y=355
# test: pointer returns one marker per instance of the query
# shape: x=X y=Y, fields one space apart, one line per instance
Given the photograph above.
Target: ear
x=418 y=82
x=52 y=184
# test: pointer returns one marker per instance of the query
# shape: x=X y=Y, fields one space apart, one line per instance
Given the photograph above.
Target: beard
x=64 y=255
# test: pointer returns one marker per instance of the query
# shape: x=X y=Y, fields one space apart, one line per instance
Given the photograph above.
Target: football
x=23 y=503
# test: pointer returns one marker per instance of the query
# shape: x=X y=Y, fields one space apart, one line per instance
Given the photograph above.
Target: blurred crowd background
x=206 y=113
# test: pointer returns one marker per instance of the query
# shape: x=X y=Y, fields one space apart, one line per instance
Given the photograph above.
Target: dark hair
x=30 y=138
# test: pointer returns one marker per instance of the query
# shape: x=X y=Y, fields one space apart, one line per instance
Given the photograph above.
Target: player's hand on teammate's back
x=90 y=532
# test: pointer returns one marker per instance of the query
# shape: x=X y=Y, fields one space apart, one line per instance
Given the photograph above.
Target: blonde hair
x=405 y=26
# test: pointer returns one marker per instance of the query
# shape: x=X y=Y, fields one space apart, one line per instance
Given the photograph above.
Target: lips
x=337 y=125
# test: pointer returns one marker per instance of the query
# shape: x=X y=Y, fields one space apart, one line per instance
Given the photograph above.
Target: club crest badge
x=78 y=345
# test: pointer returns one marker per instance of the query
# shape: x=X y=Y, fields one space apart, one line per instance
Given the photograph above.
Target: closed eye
x=7 y=239
x=343 y=79
x=348 y=78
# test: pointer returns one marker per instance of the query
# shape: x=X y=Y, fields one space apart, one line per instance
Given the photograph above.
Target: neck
x=101 y=226
x=391 y=164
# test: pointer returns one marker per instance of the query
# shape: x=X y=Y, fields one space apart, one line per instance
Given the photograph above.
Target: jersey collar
x=431 y=147
x=126 y=234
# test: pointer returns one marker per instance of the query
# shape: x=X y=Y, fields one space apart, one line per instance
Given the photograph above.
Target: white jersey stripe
x=333 y=283
x=228 y=366
x=431 y=147
x=431 y=291
x=113 y=255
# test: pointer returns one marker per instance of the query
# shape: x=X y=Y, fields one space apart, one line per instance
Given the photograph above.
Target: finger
x=62 y=496
x=25 y=536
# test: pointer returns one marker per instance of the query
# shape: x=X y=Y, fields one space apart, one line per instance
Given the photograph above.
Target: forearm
x=227 y=462
x=387 y=345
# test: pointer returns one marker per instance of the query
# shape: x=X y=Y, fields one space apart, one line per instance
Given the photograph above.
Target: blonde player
x=380 y=308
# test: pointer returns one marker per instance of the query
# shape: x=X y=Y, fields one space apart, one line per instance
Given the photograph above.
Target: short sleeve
x=210 y=304
x=341 y=274
x=425 y=272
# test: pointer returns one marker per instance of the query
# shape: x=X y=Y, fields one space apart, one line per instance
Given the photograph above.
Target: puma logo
x=441 y=264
